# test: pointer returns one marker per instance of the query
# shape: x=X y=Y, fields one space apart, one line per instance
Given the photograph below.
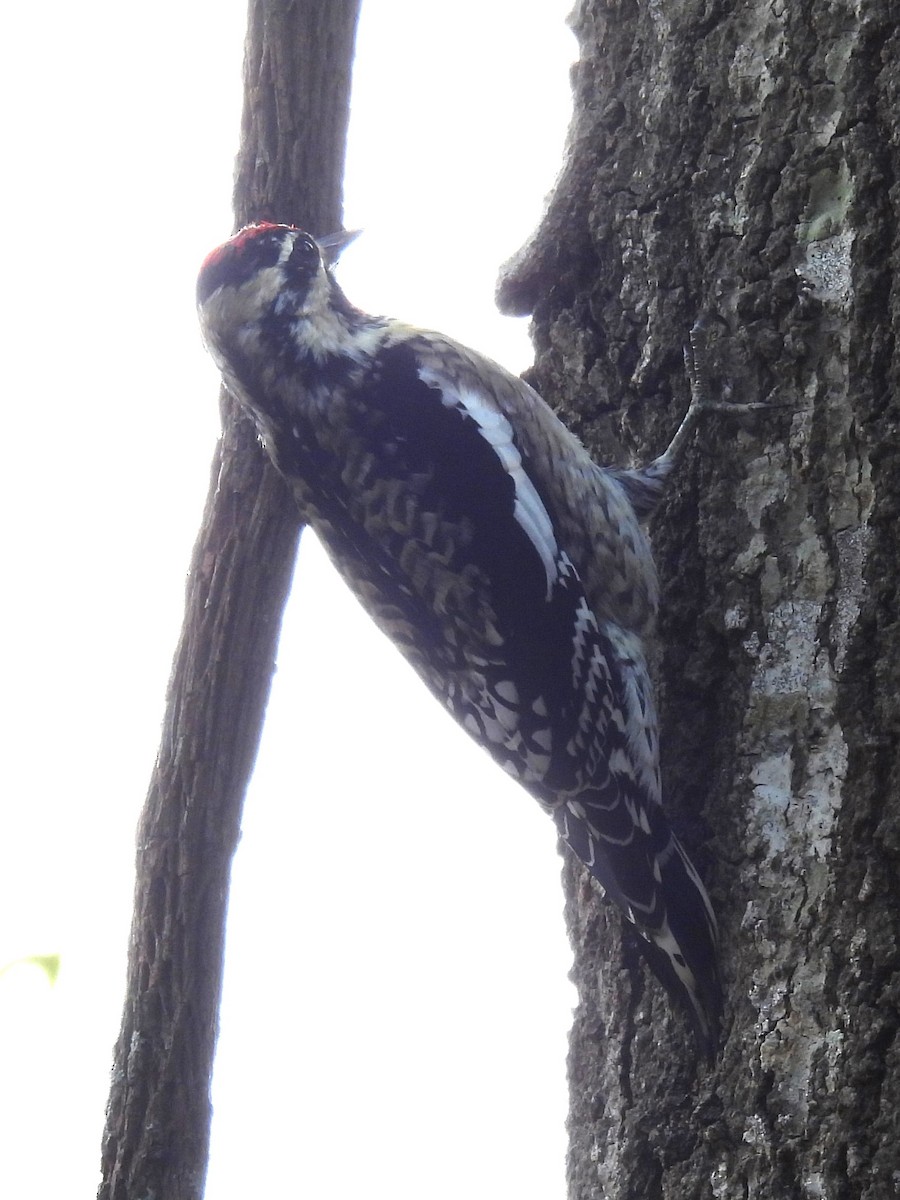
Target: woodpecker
x=509 y=569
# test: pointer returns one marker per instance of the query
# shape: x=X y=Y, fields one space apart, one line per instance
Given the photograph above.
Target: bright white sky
x=396 y=1000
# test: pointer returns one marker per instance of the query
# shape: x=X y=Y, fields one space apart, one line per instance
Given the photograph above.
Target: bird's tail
x=632 y=852
x=682 y=949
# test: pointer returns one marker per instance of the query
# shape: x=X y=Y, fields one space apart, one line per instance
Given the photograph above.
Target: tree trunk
x=744 y=159
x=297 y=71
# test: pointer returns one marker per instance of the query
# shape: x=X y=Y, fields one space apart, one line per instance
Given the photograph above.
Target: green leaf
x=48 y=963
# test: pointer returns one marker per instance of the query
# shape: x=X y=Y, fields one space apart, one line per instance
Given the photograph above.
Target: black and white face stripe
x=255 y=248
x=305 y=285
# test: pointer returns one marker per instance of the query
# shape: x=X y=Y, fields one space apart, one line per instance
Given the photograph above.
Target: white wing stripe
x=528 y=508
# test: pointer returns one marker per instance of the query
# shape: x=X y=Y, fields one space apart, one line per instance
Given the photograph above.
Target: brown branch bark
x=744 y=158
x=297 y=79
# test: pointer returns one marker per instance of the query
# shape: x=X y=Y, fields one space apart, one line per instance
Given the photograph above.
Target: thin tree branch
x=297 y=80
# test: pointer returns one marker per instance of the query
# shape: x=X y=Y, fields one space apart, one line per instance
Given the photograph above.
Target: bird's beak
x=333 y=245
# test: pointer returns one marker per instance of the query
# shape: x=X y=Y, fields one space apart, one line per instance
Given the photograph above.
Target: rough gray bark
x=744 y=158
x=297 y=77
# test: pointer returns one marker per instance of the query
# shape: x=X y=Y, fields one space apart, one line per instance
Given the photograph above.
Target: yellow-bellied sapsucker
x=509 y=568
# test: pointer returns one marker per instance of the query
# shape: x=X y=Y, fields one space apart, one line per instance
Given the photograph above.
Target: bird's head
x=267 y=272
